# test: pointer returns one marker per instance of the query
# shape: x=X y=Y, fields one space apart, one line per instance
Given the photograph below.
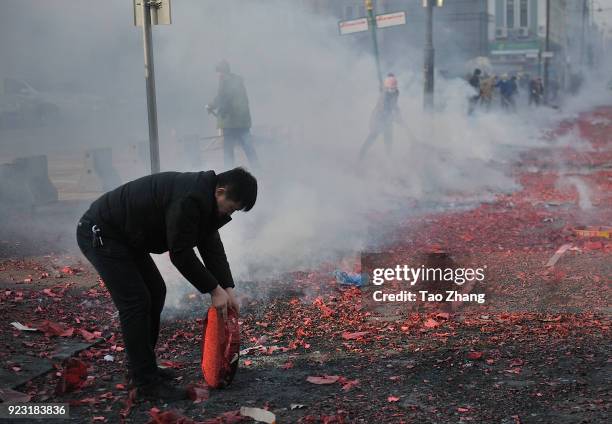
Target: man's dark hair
x=240 y=187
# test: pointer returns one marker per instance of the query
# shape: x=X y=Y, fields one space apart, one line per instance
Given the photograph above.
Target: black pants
x=386 y=128
x=233 y=137
x=138 y=291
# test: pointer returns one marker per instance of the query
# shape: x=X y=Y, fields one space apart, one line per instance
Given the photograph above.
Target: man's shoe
x=161 y=390
x=167 y=373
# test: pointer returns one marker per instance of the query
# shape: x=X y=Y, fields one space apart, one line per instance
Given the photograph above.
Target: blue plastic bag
x=351 y=279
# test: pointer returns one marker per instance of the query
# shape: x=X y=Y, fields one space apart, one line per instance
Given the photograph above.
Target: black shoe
x=160 y=389
x=167 y=373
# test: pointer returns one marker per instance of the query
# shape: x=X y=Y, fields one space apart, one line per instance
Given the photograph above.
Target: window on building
x=499 y=14
x=524 y=13
x=510 y=13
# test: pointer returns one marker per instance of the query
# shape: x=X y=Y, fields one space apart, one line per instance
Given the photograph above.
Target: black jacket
x=173 y=212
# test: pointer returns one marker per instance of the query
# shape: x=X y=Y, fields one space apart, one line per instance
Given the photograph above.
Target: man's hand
x=233 y=304
x=220 y=300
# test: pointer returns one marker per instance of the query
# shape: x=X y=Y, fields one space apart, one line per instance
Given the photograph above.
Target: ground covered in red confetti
x=537 y=351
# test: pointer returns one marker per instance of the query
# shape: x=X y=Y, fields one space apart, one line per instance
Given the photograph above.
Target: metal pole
x=372 y=22
x=150 y=84
x=428 y=89
x=582 y=35
x=546 y=49
x=590 y=40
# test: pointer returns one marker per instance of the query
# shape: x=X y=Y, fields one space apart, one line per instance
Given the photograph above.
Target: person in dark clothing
x=166 y=212
x=383 y=116
x=536 y=91
x=474 y=81
x=508 y=89
x=231 y=107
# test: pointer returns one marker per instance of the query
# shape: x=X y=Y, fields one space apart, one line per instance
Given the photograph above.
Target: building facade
x=520 y=37
x=463 y=30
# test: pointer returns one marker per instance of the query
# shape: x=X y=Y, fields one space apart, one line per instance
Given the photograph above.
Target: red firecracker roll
x=220 y=348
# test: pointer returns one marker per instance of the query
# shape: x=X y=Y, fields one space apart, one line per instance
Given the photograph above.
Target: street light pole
x=150 y=86
x=546 y=49
x=372 y=25
x=428 y=68
x=582 y=35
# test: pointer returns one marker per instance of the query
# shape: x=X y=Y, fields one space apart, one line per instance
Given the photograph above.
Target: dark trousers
x=534 y=99
x=233 y=137
x=387 y=130
x=137 y=290
x=473 y=103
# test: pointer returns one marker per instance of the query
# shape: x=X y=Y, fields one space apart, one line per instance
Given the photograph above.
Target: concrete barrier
x=98 y=174
x=26 y=181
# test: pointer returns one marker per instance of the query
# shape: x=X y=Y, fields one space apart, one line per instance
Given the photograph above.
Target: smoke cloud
x=313 y=87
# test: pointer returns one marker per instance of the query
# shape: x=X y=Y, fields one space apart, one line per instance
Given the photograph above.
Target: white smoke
x=316 y=199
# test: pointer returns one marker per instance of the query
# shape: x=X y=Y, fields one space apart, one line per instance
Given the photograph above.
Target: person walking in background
x=507 y=89
x=474 y=81
x=231 y=107
x=536 y=91
x=487 y=87
x=385 y=112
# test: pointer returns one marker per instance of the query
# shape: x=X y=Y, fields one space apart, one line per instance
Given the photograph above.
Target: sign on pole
x=390 y=19
x=352 y=26
x=547 y=55
x=361 y=24
x=160 y=12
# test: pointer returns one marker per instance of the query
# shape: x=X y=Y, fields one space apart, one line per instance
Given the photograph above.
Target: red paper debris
x=393 y=399
x=168 y=417
x=353 y=336
x=443 y=315
x=54 y=329
x=430 y=323
x=129 y=403
x=197 y=393
x=349 y=384
x=49 y=293
x=474 y=355
x=69 y=270
x=325 y=379
x=84 y=401
x=90 y=337
x=74 y=376
x=171 y=364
